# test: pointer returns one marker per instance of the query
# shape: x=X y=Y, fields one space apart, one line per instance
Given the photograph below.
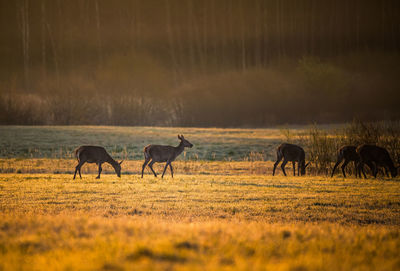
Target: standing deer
x=293 y=153
x=95 y=154
x=348 y=154
x=375 y=156
x=161 y=153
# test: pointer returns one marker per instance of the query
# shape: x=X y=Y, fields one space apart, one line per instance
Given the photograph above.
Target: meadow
x=51 y=222
x=128 y=142
x=215 y=214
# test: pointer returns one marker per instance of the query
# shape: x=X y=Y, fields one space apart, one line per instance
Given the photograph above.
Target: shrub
x=322 y=145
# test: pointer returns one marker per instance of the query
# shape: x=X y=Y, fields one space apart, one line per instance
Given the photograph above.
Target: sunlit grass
x=223 y=209
x=129 y=167
x=191 y=222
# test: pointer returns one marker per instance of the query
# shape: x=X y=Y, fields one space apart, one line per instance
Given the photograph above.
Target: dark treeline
x=198 y=63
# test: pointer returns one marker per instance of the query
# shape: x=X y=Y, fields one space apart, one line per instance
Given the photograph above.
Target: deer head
x=117 y=168
x=184 y=141
x=303 y=168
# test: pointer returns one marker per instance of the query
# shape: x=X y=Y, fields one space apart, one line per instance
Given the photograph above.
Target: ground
x=213 y=215
x=49 y=221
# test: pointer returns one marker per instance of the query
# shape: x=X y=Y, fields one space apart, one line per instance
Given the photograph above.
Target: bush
x=322 y=145
x=321 y=148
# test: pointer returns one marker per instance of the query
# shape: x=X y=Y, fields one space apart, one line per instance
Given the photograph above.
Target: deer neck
x=391 y=166
x=111 y=161
x=179 y=149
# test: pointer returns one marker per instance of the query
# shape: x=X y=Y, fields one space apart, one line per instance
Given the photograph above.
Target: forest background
x=204 y=63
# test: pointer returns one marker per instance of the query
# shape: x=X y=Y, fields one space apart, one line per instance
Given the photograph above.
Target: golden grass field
x=213 y=215
x=246 y=222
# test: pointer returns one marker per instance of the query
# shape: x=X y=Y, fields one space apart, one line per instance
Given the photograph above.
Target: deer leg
x=100 y=169
x=144 y=165
x=294 y=168
x=372 y=167
x=375 y=172
x=78 y=169
x=355 y=167
x=172 y=171
x=335 y=166
x=283 y=167
x=361 y=166
x=382 y=170
x=151 y=167
x=165 y=168
x=358 y=170
x=275 y=165
x=387 y=172
x=298 y=169
x=361 y=171
x=344 y=167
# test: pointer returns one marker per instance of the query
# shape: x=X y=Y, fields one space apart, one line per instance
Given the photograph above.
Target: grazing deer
x=95 y=154
x=293 y=153
x=374 y=157
x=348 y=154
x=161 y=153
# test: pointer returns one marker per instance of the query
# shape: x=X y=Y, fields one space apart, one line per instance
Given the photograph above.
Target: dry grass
x=191 y=222
x=223 y=210
x=129 y=167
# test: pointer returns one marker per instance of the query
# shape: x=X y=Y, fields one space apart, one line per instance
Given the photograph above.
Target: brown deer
x=348 y=154
x=293 y=153
x=374 y=157
x=161 y=153
x=97 y=155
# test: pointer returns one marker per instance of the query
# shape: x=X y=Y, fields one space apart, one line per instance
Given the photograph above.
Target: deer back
x=161 y=153
x=349 y=153
x=291 y=152
x=92 y=154
x=375 y=154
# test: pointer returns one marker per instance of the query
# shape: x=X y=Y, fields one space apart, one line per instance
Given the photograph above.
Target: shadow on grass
x=147 y=253
x=263 y=185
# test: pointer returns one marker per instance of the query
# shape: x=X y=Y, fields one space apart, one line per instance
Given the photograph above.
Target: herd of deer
x=372 y=156
x=152 y=154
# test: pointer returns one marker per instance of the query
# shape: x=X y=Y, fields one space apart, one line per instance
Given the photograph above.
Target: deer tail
x=146 y=152
x=279 y=153
x=77 y=151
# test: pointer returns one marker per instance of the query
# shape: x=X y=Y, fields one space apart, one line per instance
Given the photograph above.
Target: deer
x=290 y=152
x=97 y=155
x=162 y=153
x=375 y=156
x=349 y=154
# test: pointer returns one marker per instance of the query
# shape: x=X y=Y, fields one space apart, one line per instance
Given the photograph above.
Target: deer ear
x=179 y=137
x=306 y=164
x=121 y=162
x=182 y=137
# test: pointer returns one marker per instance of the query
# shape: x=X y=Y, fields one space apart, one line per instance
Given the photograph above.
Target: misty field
x=222 y=210
x=128 y=142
